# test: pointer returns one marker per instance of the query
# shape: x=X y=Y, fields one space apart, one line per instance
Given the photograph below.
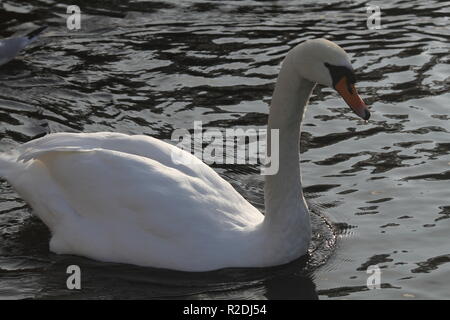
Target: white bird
x=120 y=198
x=10 y=48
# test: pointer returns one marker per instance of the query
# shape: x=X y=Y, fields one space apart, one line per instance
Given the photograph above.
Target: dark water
x=152 y=67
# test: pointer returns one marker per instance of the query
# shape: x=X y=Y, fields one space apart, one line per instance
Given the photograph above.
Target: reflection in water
x=290 y=287
x=152 y=67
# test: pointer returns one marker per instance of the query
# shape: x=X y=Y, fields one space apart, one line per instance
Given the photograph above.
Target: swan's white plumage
x=116 y=197
x=121 y=198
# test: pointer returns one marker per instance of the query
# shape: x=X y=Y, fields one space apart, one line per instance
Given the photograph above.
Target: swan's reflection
x=291 y=287
x=119 y=281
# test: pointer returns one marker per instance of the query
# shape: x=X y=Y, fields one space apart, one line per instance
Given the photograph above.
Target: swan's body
x=121 y=198
x=11 y=47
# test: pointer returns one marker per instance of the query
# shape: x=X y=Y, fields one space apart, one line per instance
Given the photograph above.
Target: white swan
x=10 y=48
x=120 y=198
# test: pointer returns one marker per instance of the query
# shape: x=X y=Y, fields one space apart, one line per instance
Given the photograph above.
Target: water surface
x=378 y=190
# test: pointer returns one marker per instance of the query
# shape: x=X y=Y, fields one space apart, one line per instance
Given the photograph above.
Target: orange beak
x=350 y=95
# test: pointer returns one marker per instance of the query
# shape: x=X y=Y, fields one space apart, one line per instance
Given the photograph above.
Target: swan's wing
x=101 y=184
x=140 y=145
x=30 y=154
x=116 y=206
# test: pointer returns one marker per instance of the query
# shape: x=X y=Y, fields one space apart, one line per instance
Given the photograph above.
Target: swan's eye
x=339 y=72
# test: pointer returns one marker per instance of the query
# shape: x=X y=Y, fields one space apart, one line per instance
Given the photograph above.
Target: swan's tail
x=8 y=164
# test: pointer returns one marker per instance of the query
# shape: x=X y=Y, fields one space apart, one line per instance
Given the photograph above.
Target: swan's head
x=324 y=62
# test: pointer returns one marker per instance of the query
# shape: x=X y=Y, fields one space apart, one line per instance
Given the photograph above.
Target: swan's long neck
x=287 y=215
